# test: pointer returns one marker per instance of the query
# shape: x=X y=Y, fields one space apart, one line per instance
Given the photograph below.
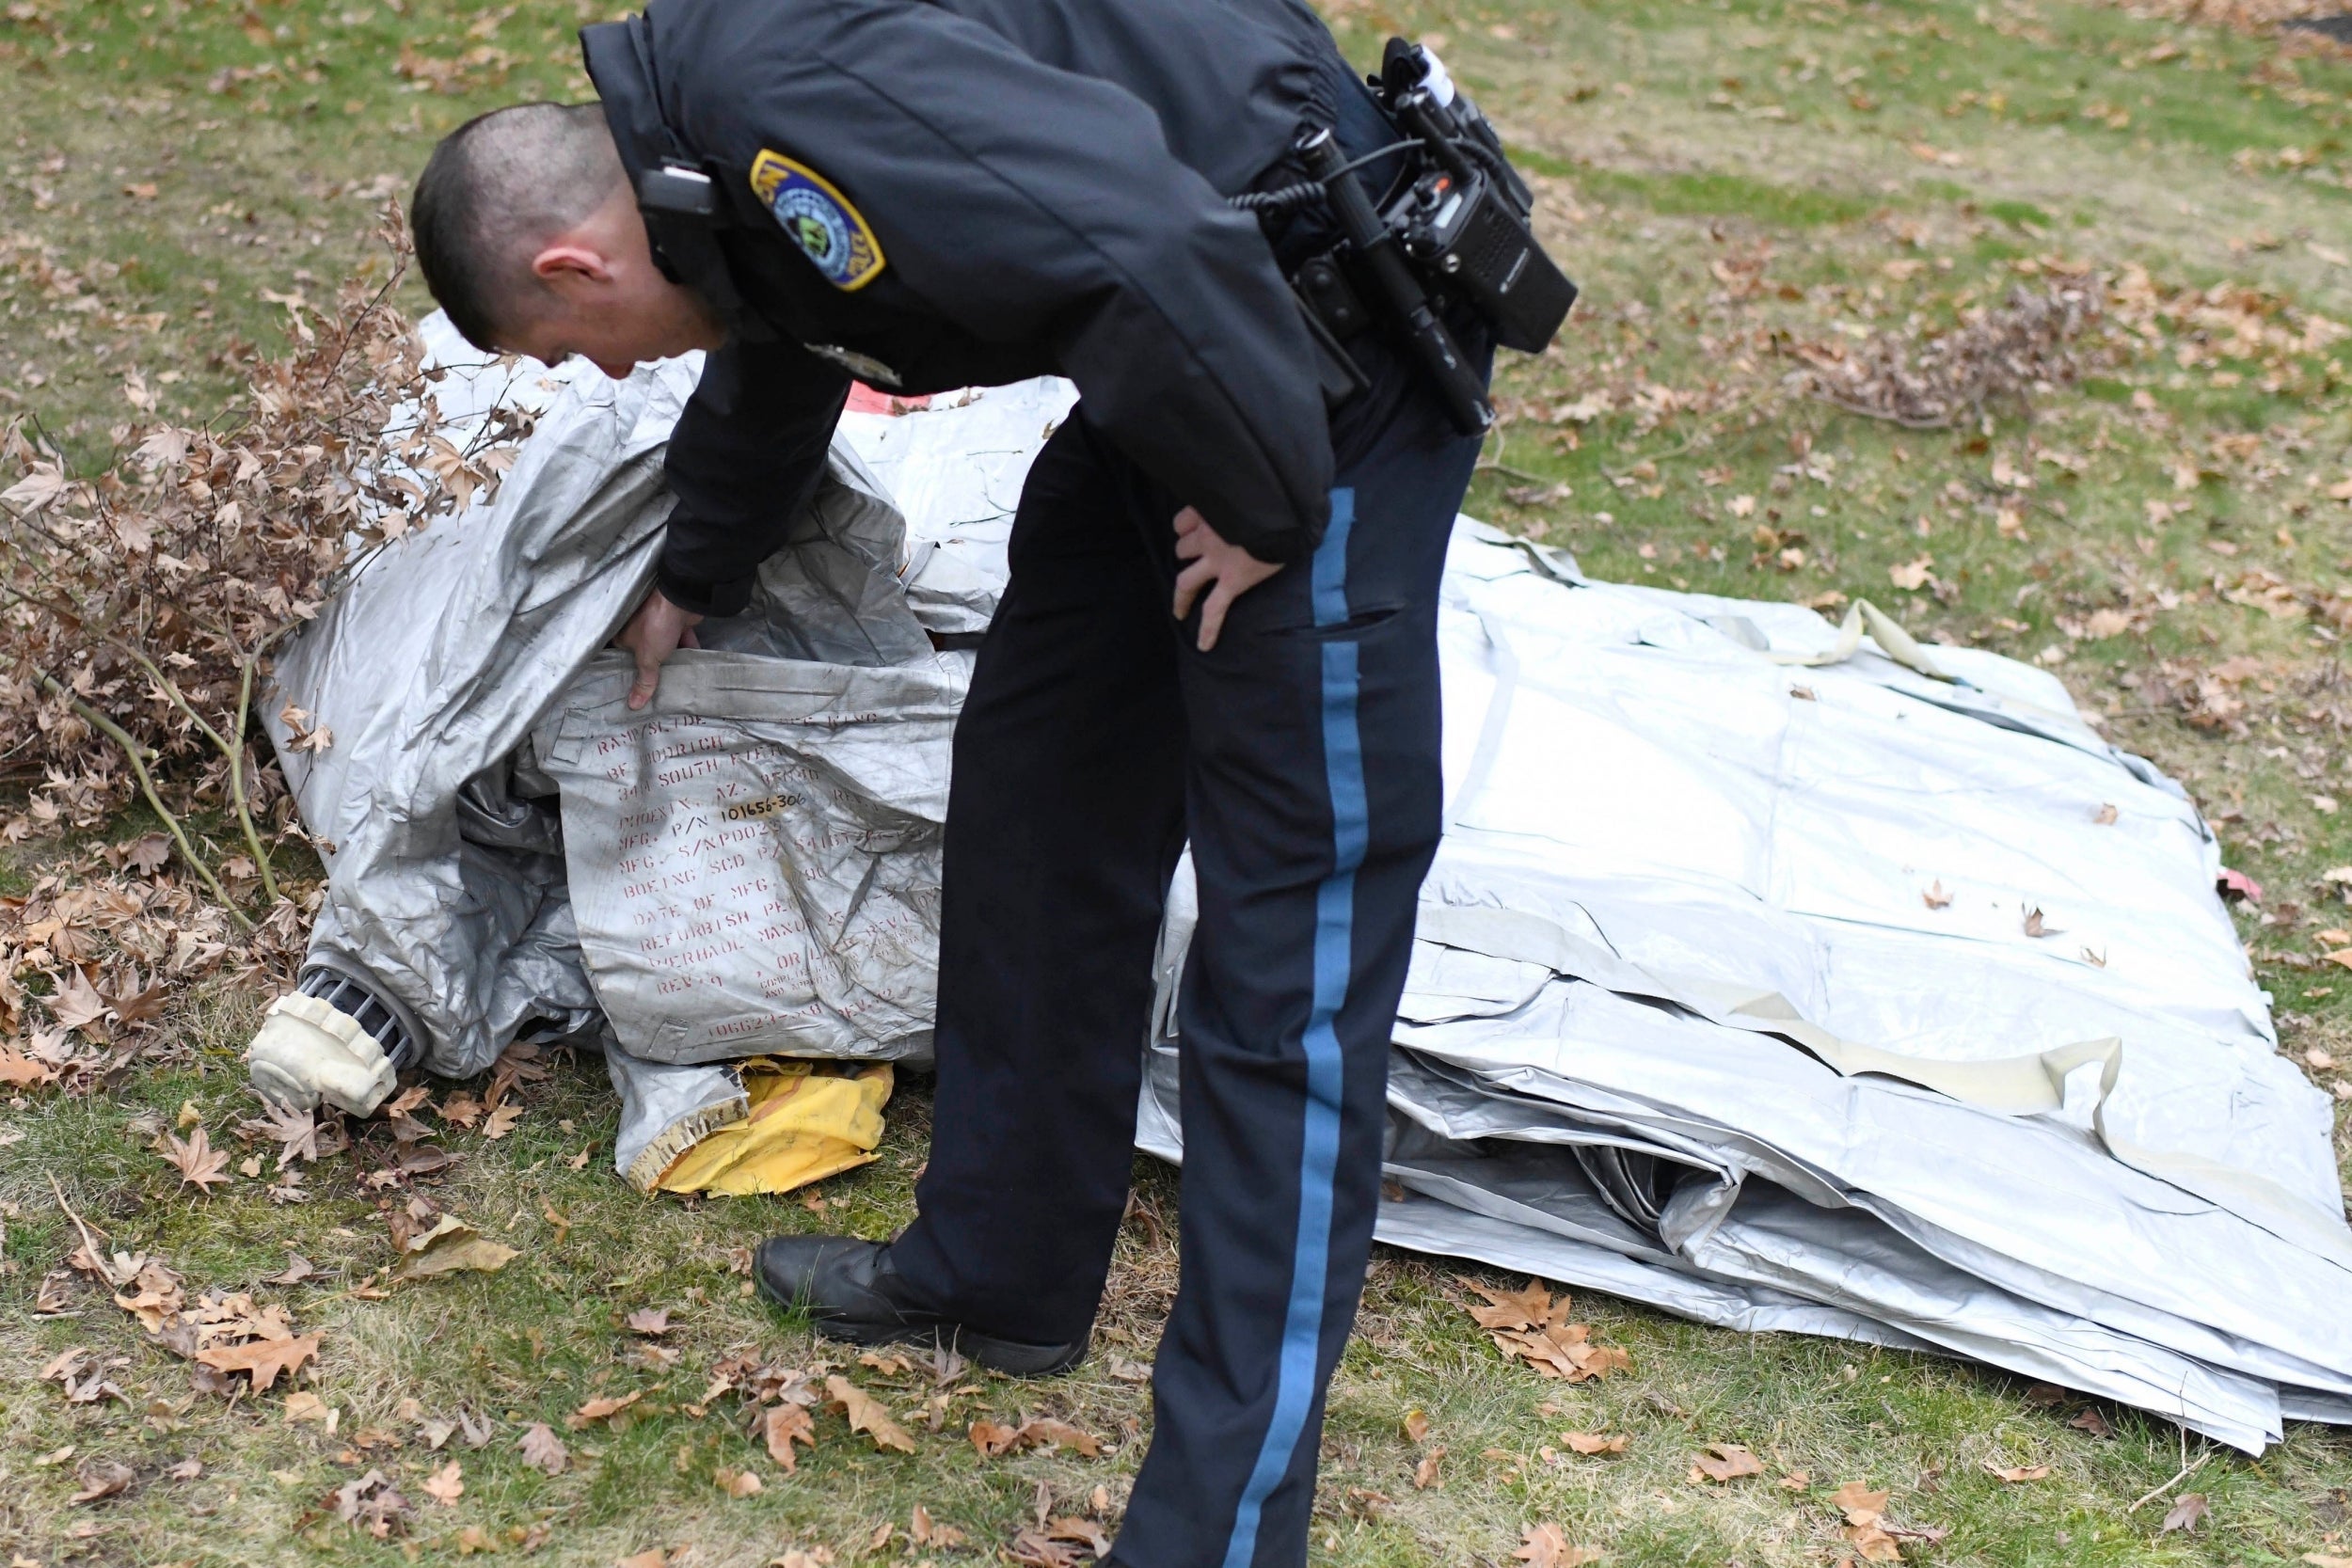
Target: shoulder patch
x=818 y=219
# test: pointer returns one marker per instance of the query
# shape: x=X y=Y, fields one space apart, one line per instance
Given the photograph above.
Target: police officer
x=1219 y=626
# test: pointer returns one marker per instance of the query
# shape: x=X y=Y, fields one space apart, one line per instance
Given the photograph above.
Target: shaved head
x=496 y=191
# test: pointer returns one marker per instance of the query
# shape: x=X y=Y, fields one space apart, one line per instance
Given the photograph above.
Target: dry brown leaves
x=433 y=1245
x=1061 y=1542
x=2030 y=344
x=1867 y=1529
x=993 y=1439
x=221 y=1332
x=602 y=1408
x=780 y=1427
x=541 y=1450
x=138 y=605
x=370 y=1503
x=867 y=1415
x=1547 y=1545
x=2185 y=1514
x=90 y=954
x=198 y=1162
x=1864 y=1510
x=1529 y=1325
x=1724 y=1462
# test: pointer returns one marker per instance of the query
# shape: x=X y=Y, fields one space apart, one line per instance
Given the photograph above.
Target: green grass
x=1857 y=135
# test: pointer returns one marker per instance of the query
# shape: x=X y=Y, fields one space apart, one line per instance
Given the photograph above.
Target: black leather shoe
x=850 y=1291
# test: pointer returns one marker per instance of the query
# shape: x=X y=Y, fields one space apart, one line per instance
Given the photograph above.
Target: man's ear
x=568 y=261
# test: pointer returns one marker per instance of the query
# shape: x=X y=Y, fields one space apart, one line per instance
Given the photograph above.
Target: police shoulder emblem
x=819 y=219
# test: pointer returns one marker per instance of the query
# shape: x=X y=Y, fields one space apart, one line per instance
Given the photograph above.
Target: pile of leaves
x=1529 y=1325
x=2243 y=16
x=235 y=1347
x=89 y=955
x=139 y=606
x=2030 y=344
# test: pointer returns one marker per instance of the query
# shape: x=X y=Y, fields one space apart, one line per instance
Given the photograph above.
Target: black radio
x=1454 y=224
x=1464 y=219
x=1460 y=229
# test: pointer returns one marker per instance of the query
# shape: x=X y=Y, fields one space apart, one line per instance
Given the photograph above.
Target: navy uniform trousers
x=1300 y=757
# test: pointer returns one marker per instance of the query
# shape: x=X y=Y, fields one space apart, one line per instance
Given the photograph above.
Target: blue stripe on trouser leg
x=1335 y=910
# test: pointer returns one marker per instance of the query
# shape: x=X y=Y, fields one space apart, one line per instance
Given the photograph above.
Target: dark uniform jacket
x=948 y=193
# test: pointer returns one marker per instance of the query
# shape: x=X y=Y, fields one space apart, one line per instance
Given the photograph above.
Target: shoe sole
x=1013 y=1357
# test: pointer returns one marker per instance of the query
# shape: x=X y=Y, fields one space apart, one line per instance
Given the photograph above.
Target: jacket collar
x=619 y=56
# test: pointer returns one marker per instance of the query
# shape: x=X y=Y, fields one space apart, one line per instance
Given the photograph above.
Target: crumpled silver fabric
x=1683 y=874
x=1638 y=772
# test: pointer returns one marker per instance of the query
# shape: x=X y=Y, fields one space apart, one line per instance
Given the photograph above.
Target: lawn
x=1753 y=193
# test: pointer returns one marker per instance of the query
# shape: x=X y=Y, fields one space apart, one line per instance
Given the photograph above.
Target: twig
x=236 y=772
x=80 y=1224
x=1515 y=473
x=2186 y=1470
x=131 y=750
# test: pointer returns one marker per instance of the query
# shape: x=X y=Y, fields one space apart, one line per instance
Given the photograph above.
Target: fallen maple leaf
x=1086 y=1532
x=1725 y=1462
x=929 y=1533
x=76 y=1003
x=1936 y=897
x=148 y=853
x=541 y=1450
x=737 y=1484
x=649 y=1321
x=2093 y=1424
x=1526 y=1308
x=1034 y=1548
x=994 y=1438
x=1416 y=1426
x=197 y=1160
x=1865 y=1510
x=1547 y=1545
x=782 y=1426
x=1592 y=1442
x=102 y=1477
x=2013 y=1475
x=501 y=1121
x=1855 y=1496
x=263 y=1358
x=2187 y=1513
x=451 y=1245
x=372 y=1503
x=1872 y=1542
x=138 y=1001
x=1044 y=1429
x=866 y=1415
x=602 y=1408
x=1425 y=1473
x=303 y=1405
x=299 y=1269
x=21 y=1071
x=446 y=1484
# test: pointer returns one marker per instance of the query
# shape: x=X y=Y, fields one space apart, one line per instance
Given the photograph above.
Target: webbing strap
x=1895 y=642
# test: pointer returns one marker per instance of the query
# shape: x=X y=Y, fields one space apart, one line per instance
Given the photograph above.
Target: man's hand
x=1227 y=571
x=658 y=629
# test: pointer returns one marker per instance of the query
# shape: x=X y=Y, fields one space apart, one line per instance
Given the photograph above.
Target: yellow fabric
x=808 y=1121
